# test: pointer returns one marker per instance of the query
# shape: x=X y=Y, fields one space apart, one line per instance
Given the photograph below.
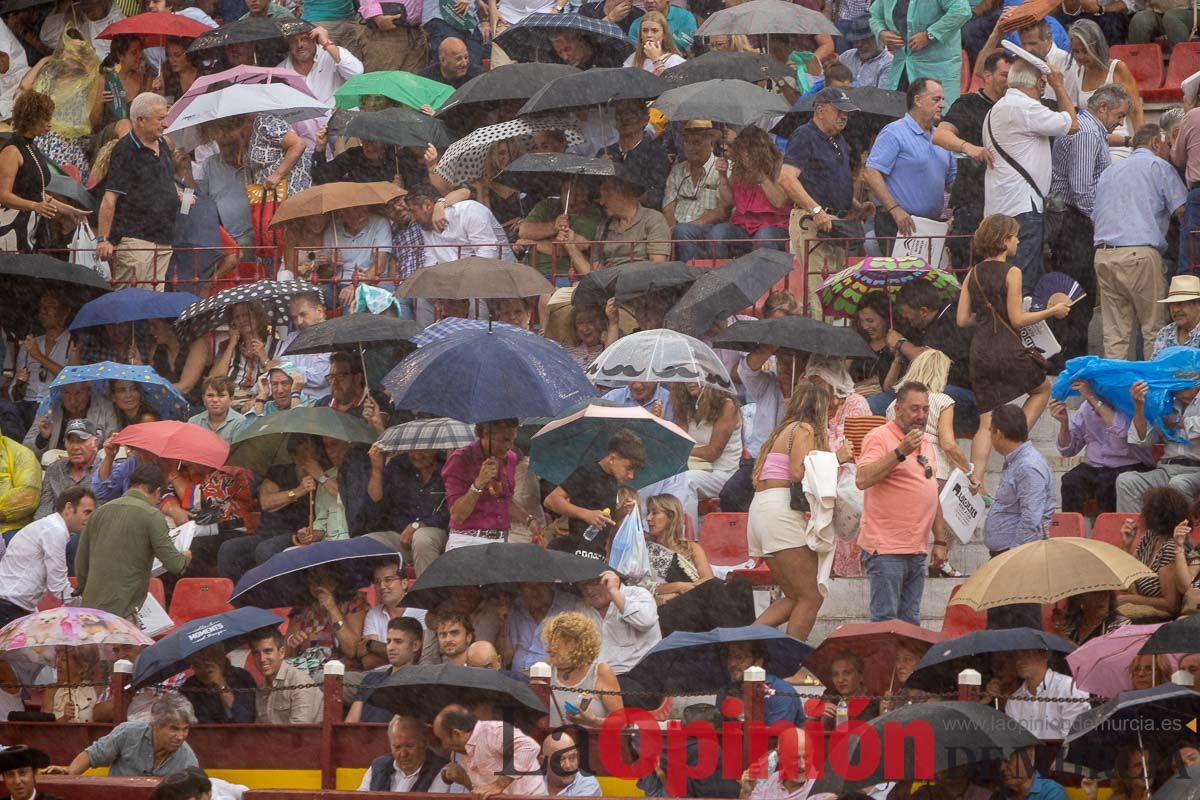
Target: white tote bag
x=83 y=251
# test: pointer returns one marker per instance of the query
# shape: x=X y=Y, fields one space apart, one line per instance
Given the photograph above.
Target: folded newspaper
x=182 y=538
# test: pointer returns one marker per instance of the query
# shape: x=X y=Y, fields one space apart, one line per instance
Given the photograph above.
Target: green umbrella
x=269 y=440
x=403 y=87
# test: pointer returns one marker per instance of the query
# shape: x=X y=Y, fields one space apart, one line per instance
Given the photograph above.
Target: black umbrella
x=729 y=102
x=596 y=87
x=542 y=172
x=727 y=290
x=695 y=662
x=529 y=39
x=751 y=67
x=72 y=191
x=633 y=279
x=938 y=669
x=249 y=31
x=876 y=108
x=25 y=278
x=489 y=564
x=351 y=333
x=1152 y=718
x=962 y=733
x=508 y=82
x=213 y=311
x=795 y=333
x=400 y=126
x=1179 y=636
x=425 y=689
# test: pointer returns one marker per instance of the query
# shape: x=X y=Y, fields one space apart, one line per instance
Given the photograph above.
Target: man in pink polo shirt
x=479 y=757
x=900 y=506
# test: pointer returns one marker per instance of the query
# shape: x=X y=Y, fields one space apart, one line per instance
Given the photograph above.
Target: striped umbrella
x=441 y=433
x=842 y=293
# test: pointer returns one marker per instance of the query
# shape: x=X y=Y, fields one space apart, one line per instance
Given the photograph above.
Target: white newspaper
x=152 y=618
x=182 y=538
x=928 y=242
x=961 y=510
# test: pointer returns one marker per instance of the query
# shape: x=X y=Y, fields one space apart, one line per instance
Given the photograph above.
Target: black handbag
x=799 y=501
x=1028 y=353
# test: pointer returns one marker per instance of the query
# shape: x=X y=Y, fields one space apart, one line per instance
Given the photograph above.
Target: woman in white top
x=932 y=368
x=714 y=420
x=573 y=649
x=40 y=358
x=656 y=50
x=1094 y=69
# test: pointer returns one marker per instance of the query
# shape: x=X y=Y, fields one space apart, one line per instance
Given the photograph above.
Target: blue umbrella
x=481 y=375
x=443 y=328
x=131 y=305
x=278 y=581
x=170 y=654
x=938 y=669
x=695 y=662
x=161 y=396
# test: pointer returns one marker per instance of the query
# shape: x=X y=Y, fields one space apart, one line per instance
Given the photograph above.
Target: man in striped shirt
x=1077 y=162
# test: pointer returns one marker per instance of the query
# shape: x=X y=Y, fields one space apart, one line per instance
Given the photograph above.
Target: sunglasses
x=924 y=462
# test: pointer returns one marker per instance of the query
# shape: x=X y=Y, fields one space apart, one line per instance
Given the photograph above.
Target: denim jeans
x=1029 y=251
x=896 y=585
x=716 y=241
x=1191 y=221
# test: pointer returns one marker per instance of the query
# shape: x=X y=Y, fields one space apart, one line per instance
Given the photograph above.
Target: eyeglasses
x=387 y=580
x=924 y=462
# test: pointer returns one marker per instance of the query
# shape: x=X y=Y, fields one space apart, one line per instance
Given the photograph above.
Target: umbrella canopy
x=131 y=305
x=440 y=433
x=538 y=168
x=876 y=108
x=25 y=278
x=157 y=391
x=425 y=689
x=529 y=39
x=960 y=733
x=503 y=83
x=660 y=356
x=750 y=67
x=498 y=563
x=876 y=644
x=595 y=87
x=33 y=638
x=176 y=441
x=1101 y=665
x=406 y=88
x=444 y=327
x=243 y=74
x=248 y=31
x=170 y=655
x=731 y=102
x=938 y=669
x=481 y=375
x=1179 y=636
x=463 y=161
x=327 y=197
x=268 y=440
x=728 y=289
x=154 y=28
x=279 y=581
x=72 y=191
x=1154 y=718
x=695 y=662
x=581 y=438
x=801 y=334
x=213 y=311
x=399 y=126
x=351 y=333
x=232 y=101
x=633 y=279
x=1182 y=785
x=474 y=277
x=842 y=293
x=767 y=16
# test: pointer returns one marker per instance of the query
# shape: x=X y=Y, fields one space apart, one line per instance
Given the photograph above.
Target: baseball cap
x=835 y=97
x=82 y=428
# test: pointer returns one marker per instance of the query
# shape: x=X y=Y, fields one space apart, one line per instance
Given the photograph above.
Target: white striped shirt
x=1077 y=162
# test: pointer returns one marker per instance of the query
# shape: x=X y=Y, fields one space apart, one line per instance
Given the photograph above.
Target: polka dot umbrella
x=212 y=312
x=157 y=391
x=842 y=293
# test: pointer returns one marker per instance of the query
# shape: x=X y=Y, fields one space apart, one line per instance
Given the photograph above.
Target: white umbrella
x=660 y=356
x=463 y=161
x=274 y=98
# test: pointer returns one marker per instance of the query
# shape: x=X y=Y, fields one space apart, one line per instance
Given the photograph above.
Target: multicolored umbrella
x=35 y=637
x=176 y=441
x=244 y=74
x=158 y=392
x=279 y=99
x=441 y=433
x=405 y=88
x=842 y=293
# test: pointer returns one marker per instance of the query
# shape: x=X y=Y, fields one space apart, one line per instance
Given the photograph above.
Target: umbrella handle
x=311 y=509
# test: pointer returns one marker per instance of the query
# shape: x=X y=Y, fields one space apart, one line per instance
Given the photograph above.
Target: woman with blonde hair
x=760 y=204
x=656 y=51
x=932 y=368
x=573 y=650
x=777 y=532
x=724 y=43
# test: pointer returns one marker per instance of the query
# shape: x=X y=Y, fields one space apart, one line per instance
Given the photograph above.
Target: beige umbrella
x=1046 y=571
x=333 y=196
x=475 y=278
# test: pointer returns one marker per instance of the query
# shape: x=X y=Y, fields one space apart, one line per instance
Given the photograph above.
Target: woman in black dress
x=990 y=300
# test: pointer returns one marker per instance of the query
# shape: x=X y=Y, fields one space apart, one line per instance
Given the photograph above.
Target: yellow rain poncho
x=20 y=484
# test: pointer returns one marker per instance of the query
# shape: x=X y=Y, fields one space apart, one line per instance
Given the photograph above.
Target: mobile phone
x=571 y=708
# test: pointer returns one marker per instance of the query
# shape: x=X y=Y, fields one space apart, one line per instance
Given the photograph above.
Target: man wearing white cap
x=279 y=389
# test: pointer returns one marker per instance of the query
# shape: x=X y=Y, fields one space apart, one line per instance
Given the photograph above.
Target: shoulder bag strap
x=995 y=315
x=1010 y=161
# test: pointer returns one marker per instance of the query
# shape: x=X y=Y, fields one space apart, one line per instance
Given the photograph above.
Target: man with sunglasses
x=900 y=508
x=1022 y=505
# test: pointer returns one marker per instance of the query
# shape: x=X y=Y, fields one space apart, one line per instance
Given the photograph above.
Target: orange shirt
x=898 y=512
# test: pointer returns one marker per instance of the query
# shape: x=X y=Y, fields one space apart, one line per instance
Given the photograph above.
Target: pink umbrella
x=231 y=77
x=35 y=637
x=1101 y=666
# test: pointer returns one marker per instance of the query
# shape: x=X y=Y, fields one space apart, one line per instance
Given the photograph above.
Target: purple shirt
x=412 y=10
x=491 y=509
x=1102 y=445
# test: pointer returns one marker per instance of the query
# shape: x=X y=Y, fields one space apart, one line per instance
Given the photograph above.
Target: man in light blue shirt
x=538 y=602
x=653 y=397
x=563 y=776
x=866 y=59
x=1135 y=199
x=362 y=246
x=217 y=415
x=906 y=170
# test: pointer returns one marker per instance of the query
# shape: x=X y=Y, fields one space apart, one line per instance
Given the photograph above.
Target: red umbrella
x=875 y=643
x=180 y=441
x=155 y=28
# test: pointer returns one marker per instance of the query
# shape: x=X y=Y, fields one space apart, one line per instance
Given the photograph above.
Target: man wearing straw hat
x=19 y=767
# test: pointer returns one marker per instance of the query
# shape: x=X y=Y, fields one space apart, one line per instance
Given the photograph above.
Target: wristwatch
x=816 y=210
x=322 y=479
x=291 y=494
x=899 y=456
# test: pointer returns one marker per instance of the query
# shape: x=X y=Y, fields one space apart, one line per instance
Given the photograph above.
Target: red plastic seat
x=723 y=537
x=1067 y=523
x=961 y=620
x=1145 y=61
x=760 y=575
x=1107 y=527
x=156 y=589
x=50 y=601
x=1185 y=59
x=194 y=598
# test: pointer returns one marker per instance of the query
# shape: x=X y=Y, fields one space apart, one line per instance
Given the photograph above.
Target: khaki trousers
x=819 y=259
x=1130 y=282
x=136 y=262
x=402 y=48
x=499 y=57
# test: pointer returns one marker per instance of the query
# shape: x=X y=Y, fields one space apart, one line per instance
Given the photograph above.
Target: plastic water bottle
x=592 y=531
